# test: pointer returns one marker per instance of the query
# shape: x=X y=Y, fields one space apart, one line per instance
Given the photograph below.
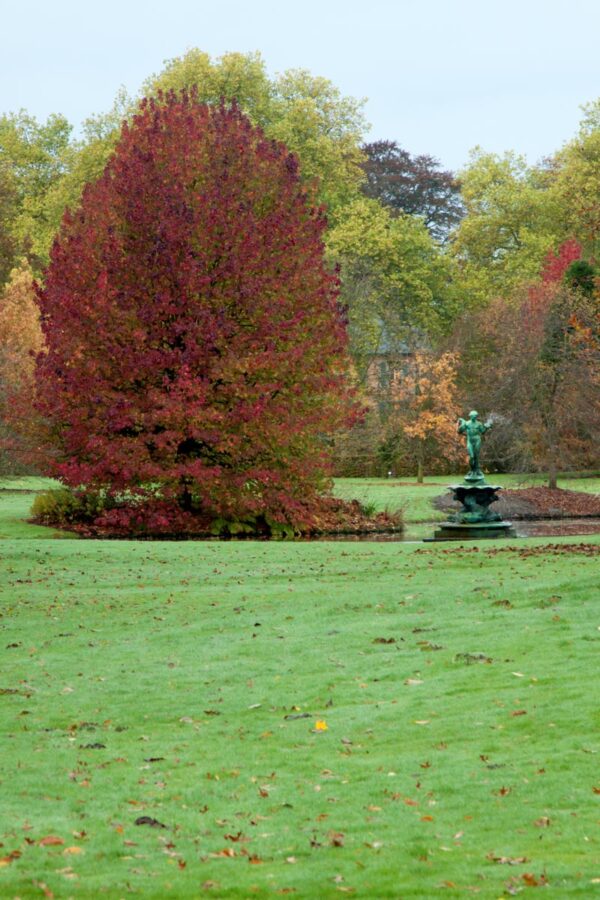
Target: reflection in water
x=556 y=527
x=523 y=528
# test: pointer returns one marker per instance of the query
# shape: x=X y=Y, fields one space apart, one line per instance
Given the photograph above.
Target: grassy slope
x=423 y=768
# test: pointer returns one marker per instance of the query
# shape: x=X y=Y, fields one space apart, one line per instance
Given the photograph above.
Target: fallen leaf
x=72 y=850
x=532 y=880
x=148 y=820
x=50 y=840
x=336 y=838
x=321 y=725
x=507 y=860
x=542 y=822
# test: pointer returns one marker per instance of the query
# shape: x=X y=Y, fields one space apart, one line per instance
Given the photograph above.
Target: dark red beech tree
x=195 y=344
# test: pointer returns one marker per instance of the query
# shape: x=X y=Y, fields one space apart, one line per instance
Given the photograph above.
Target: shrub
x=66 y=507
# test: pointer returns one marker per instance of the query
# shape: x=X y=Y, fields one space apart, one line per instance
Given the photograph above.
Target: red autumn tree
x=195 y=346
x=539 y=368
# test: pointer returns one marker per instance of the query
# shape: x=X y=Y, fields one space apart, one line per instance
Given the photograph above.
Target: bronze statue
x=475 y=519
x=473 y=429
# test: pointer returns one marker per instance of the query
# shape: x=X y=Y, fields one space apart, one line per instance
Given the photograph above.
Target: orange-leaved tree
x=20 y=340
x=425 y=405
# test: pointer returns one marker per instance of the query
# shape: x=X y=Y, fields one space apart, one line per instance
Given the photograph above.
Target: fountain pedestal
x=475 y=520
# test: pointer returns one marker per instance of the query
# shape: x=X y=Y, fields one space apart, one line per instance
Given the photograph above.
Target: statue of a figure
x=473 y=429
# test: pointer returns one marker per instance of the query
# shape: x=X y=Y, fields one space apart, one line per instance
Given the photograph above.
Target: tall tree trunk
x=552 y=471
x=550 y=420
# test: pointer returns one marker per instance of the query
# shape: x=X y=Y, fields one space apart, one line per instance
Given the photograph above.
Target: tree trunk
x=553 y=454
x=185 y=497
x=420 y=466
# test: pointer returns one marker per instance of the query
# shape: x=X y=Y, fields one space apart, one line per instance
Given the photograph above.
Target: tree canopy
x=395 y=282
x=416 y=185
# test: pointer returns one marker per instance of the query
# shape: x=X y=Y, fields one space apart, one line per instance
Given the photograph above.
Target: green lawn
x=313 y=719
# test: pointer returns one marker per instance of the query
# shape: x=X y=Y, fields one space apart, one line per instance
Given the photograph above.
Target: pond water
x=556 y=527
x=522 y=528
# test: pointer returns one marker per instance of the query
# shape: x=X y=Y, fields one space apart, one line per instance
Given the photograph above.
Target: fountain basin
x=465 y=531
x=475 y=520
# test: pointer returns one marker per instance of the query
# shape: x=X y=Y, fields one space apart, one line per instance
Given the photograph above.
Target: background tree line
x=459 y=287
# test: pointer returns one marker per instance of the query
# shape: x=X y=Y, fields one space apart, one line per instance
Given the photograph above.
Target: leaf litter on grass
x=399 y=688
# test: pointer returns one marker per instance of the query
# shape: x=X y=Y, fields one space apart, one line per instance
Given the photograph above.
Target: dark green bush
x=65 y=507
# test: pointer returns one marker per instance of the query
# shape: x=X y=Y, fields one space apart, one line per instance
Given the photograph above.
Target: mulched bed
x=347 y=517
x=536 y=503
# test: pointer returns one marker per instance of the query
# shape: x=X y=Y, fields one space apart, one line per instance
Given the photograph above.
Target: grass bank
x=312 y=719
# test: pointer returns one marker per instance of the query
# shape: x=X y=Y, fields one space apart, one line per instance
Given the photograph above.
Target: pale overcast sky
x=440 y=76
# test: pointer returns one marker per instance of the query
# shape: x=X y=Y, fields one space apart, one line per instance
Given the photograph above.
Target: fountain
x=475 y=520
